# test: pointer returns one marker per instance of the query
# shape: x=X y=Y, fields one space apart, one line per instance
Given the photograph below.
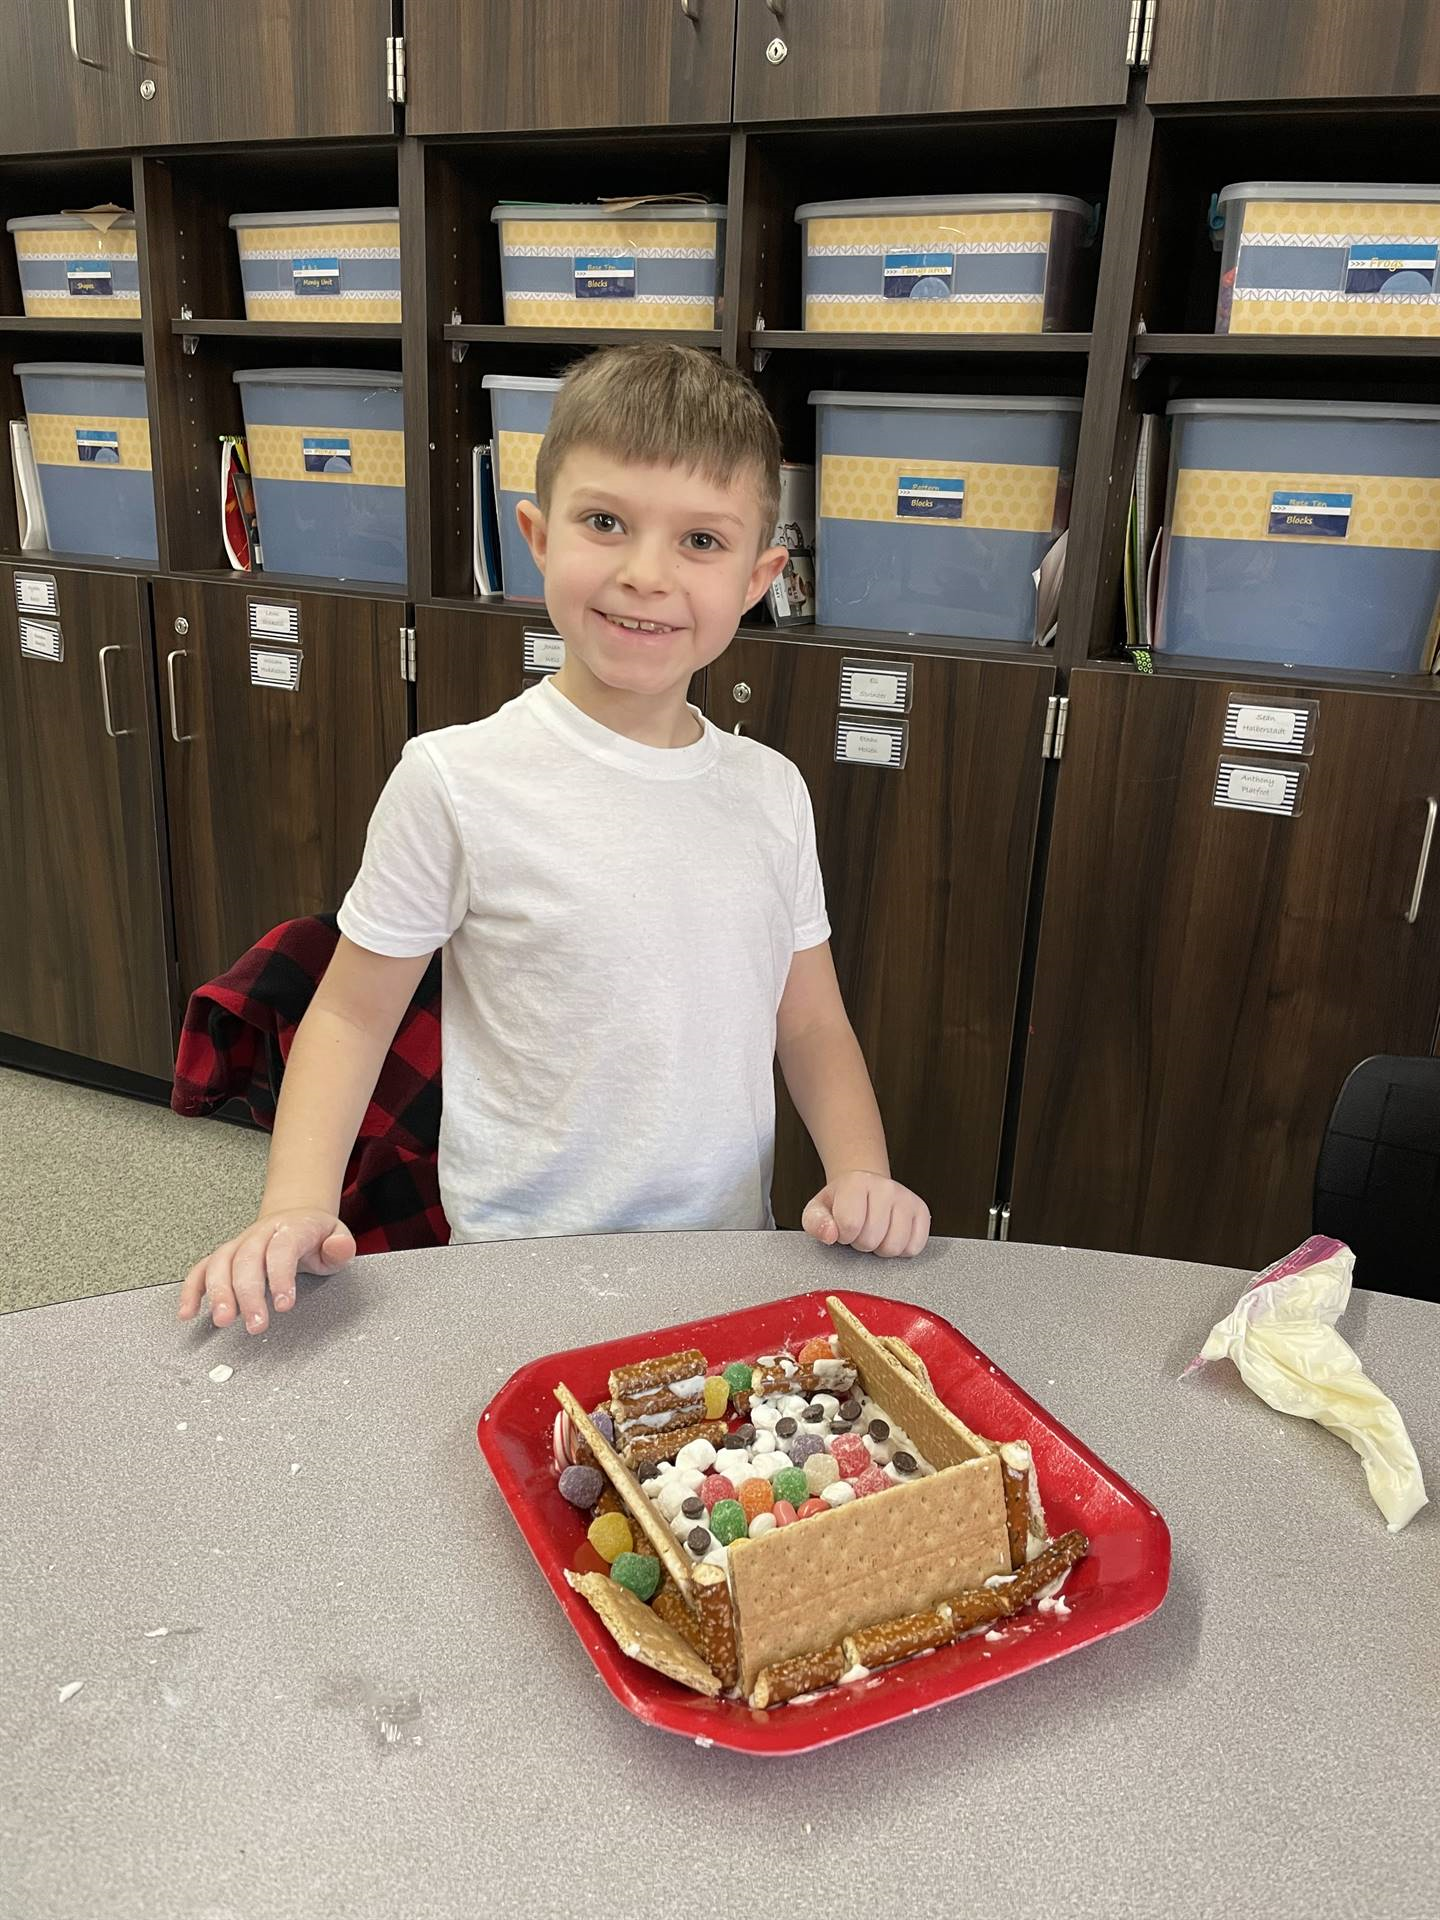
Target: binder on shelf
x=29 y=506
x=790 y=597
x=238 y=526
x=489 y=576
x=1146 y=532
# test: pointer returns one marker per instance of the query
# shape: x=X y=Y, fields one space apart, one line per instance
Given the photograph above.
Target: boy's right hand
x=268 y=1255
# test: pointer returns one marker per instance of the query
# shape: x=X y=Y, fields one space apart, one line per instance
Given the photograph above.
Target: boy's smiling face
x=648 y=569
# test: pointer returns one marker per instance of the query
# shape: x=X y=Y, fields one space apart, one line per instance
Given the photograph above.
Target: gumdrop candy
x=640 y=1572
x=610 y=1536
x=783 y=1513
x=601 y=1418
x=817 y=1349
x=789 y=1484
x=850 y=1454
x=872 y=1480
x=821 y=1471
x=582 y=1486
x=756 y=1496
x=804 y=1447
x=716 y=1486
x=717 y=1397
x=739 y=1374
x=809 y=1507
x=728 y=1521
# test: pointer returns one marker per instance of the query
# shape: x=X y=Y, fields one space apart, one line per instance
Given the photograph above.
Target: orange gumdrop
x=756 y=1496
x=817 y=1349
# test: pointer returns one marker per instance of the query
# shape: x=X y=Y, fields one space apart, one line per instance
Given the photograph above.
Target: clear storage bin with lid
x=327 y=457
x=935 y=510
x=1303 y=533
x=657 y=264
x=90 y=435
x=78 y=266
x=337 y=265
x=519 y=413
x=1307 y=256
x=943 y=263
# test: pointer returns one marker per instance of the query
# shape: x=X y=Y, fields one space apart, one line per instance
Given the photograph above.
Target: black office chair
x=1377 y=1181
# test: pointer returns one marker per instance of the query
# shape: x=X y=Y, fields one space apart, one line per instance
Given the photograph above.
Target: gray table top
x=322 y=1541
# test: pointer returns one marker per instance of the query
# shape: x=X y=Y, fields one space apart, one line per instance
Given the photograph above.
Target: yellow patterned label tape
x=90 y=439
x=515 y=457
x=333 y=456
x=996 y=498
x=1378 y=511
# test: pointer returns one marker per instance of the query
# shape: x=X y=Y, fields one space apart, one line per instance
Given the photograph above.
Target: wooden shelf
x=581 y=336
x=262 y=583
x=779 y=340
x=1286 y=347
x=60 y=323
x=287 y=329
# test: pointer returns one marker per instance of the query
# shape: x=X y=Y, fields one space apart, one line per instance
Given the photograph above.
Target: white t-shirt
x=618 y=923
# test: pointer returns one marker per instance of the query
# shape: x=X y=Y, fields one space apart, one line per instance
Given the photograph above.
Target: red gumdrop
x=784 y=1513
x=716 y=1486
x=850 y=1454
x=872 y=1480
x=810 y=1507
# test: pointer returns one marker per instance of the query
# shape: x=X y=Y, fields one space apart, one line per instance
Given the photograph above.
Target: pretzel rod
x=641 y=1515
x=892 y=1640
x=977 y=1607
x=660 y=1417
x=978 y=1604
x=806 y=1673
x=816 y=1376
x=665 y=1446
x=715 y=1623
x=642 y=1376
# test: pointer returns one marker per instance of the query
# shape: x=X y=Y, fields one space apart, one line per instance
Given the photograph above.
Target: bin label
x=326 y=453
x=90 y=278
x=1391 y=272
x=604 y=277
x=920 y=498
x=97 y=446
x=919 y=276
x=1312 y=515
x=309 y=277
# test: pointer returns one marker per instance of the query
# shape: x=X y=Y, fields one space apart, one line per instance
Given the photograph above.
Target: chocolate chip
x=840 y=1426
x=692 y=1508
x=850 y=1409
x=904 y=1463
x=786 y=1429
x=698 y=1540
x=743 y=1436
x=813 y=1415
x=879 y=1429
x=648 y=1471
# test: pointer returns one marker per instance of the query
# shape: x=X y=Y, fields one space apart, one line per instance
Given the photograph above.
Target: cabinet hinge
x=1004 y=1233
x=992 y=1232
x=395 y=68
x=407 y=653
x=1057 y=710
x=1142 y=29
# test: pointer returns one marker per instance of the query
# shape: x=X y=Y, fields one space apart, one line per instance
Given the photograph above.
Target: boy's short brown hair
x=665 y=405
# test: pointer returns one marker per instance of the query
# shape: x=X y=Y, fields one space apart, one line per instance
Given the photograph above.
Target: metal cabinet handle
x=179 y=738
x=1417 y=892
x=138 y=52
x=110 y=727
x=83 y=58
x=777 y=7
x=691 y=10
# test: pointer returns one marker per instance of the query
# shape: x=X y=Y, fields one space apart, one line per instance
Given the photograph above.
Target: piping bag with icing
x=1282 y=1337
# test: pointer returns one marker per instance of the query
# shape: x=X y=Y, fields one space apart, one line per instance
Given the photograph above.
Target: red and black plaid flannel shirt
x=236 y=1040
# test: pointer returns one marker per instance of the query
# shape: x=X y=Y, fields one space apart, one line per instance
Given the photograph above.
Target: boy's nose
x=643 y=568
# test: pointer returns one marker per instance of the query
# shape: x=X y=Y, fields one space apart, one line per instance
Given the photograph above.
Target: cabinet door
x=858 y=57
x=84 y=946
x=65 y=79
x=488 y=65
x=270 y=784
x=1293 y=49
x=274 y=70
x=1208 y=976
x=469 y=664
x=927 y=873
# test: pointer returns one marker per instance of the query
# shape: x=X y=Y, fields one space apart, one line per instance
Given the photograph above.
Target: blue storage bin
x=327 y=456
x=1303 y=533
x=520 y=414
x=90 y=434
x=935 y=510
x=340 y=265
x=75 y=268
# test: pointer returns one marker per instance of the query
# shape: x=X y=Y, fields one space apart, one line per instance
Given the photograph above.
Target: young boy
x=628 y=899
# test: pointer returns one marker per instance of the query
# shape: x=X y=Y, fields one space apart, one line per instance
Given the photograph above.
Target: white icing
x=837 y=1372
x=793 y=1405
x=993 y=1634
x=852 y=1674
x=828 y=1401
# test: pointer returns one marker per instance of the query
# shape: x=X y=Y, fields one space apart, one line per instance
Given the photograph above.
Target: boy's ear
x=532 y=525
x=767 y=568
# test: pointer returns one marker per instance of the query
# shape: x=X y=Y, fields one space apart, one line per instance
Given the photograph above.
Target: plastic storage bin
x=1302 y=532
x=936 y=509
x=520 y=412
x=90 y=434
x=1316 y=257
x=582 y=266
x=73 y=269
x=327 y=456
x=942 y=263
x=339 y=265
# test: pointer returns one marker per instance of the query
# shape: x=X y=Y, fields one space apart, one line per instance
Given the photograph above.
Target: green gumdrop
x=739 y=1375
x=790 y=1484
x=728 y=1521
x=640 y=1572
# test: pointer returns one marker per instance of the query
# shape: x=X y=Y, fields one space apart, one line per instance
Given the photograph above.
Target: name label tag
x=273 y=620
x=90 y=279
x=40 y=640
x=1311 y=515
x=919 y=497
x=872 y=743
x=544 y=652
x=270 y=667
x=36 y=593
x=879 y=686
x=310 y=277
x=1252 y=788
x=604 y=277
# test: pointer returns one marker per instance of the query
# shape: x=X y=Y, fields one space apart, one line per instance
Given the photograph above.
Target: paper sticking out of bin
x=89 y=431
x=520 y=413
x=1303 y=256
x=339 y=265
x=327 y=456
x=943 y=263
x=1302 y=532
x=936 y=510
x=655 y=264
x=76 y=266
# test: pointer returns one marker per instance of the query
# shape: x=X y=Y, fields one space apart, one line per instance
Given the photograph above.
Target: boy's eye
x=602 y=522
x=705 y=542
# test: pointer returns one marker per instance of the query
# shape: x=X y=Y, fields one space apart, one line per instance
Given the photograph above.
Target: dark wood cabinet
x=1294 y=50
x=495 y=65
x=65 y=79
x=927 y=872
x=814 y=59
x=84 y=942
x=1207 y=976
x=469 y=663
x=270 y=784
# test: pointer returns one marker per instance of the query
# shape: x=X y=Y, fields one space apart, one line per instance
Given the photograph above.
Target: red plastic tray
x=1122 y=1579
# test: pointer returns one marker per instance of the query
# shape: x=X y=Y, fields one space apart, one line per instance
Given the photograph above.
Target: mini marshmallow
x=691 y=1478
x=697 y=1454
x=828 y=1402
x=837 y=1493
x=764 y=1443
x=670 y=1497
x=793 y=1404
x=763 y=1417
x=762 y=1523
x=878 y=1450
x=729 y=1460
x=767 y=1465
x=749 y=1471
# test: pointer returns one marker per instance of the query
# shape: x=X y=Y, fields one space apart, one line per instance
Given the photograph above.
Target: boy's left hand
x=870 y=1212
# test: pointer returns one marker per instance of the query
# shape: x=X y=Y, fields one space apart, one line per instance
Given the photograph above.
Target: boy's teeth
x=638 y=626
